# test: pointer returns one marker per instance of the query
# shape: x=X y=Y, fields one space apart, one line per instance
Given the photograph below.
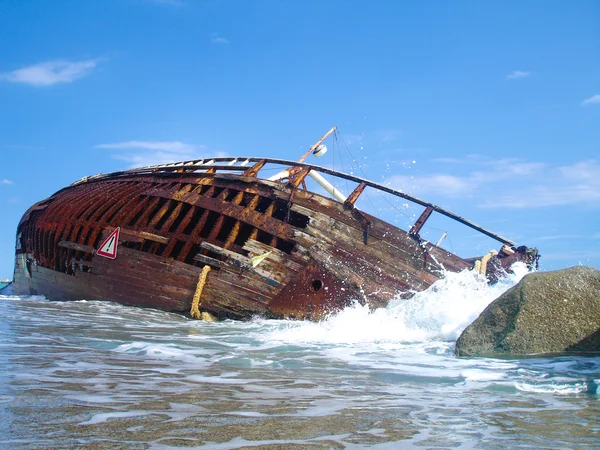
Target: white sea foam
x=441 y=312
x=483 y=375
x=552 y=388
x=167 y=351
x=390 y=371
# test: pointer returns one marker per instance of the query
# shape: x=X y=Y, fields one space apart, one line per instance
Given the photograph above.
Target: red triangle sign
x=108 y=248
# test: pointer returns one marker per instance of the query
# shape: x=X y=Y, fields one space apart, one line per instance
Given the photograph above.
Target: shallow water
x=93 y=374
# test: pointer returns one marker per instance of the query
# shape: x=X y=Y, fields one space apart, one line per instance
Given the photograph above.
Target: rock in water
x=546 y=312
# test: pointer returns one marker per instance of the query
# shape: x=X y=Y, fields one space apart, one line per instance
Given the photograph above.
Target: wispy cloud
x=566 y=237
x=167 y=146
x=513 y=183
x=51 y=72
x=577 y=184
x=216 y=39
x=148 y=153
x=591 y=100
x=467 y=160
x=583 y=256
x=517 y=74
x=446 y=185
x=5 y=181
x=453 y=186
x=505 y=169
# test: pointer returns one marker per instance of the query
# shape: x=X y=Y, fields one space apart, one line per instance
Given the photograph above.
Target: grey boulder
x=546 y=312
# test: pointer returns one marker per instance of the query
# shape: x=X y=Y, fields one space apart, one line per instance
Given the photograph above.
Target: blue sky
x=489 y=109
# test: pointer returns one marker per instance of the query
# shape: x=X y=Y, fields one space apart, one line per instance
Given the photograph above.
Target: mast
x=312 y=149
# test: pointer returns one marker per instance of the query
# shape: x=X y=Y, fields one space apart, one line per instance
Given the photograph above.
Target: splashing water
x=102 y=374
x=441 y=312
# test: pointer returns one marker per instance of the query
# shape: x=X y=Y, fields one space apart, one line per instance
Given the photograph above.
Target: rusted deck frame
x=262 y=221
x=126 y=216
x=80 y=230
x=219 y=222
x=198 y=227
x=416 y=228
x=97 y=221
x=78 y=219
x=65 y=222
x=149 y=205
x=354 y=195
x=195 y=165
x=128 y=203
x=179 y=231
x=156 y=217
x=99 y=207
x=47 y=247
x=170 y=205
x=233 y=234
x=252 y=186
x=176 y=211
x=184 y=215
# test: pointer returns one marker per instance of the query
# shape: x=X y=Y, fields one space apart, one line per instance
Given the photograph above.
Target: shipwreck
x=214 y=238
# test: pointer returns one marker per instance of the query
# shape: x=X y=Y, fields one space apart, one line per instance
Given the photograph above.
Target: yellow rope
x=194 y=310
x=482 y=266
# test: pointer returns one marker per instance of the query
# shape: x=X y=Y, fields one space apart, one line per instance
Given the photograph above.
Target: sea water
x=92 y=374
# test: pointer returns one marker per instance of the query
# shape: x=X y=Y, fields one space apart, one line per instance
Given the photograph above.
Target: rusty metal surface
x=315 y=255
x=416 y=228
x=212 y=165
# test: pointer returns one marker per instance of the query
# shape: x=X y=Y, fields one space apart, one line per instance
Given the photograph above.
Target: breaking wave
x=439 y=313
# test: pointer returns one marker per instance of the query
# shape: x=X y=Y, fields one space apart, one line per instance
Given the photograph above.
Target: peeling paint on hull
x=316 y=254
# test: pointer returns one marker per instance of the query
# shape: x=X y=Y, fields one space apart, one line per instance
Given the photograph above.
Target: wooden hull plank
x=274 y=249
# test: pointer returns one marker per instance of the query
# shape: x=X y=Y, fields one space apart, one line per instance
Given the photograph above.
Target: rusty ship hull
x=217 y=234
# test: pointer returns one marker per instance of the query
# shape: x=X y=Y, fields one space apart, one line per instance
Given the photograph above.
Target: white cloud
x=5 y=181
x=582 y=255
x=148 y=153
x=585 y=170
x=51 y=72
x=566 y=237
x=512 y=183
x=517 y=74
x=216 y=39
x=505 y=169
x=165 y=146
x=591 y=100
x=495 y=168
x=525 y=168
x=577 y=184
x=147 y=159
x=454 y=186
x=445 y=185
x=469 y=159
